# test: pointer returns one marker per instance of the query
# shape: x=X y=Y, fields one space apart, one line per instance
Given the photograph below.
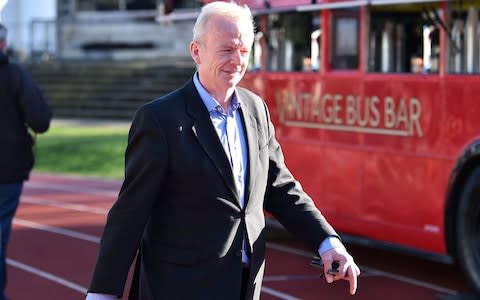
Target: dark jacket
x=179 y=208
x=22 y=106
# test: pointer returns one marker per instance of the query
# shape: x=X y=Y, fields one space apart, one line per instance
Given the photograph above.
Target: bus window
x=255 y=60
x=345 y=48
x=292 y=41
x=404 y=38
x=463 y=39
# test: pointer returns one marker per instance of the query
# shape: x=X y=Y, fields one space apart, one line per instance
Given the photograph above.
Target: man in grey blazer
x=201 y=166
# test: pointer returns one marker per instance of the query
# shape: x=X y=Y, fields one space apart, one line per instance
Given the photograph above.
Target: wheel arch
x=466 y=163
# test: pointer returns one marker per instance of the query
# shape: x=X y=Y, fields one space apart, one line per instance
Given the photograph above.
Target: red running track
x=56 y=235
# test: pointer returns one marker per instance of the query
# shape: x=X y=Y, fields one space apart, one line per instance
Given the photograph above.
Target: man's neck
x=224 y=98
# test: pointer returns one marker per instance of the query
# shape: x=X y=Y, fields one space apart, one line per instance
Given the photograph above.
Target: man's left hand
x=347 y=269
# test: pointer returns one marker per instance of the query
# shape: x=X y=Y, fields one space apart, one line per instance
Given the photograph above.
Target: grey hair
x=221 y=8
x=3 y=32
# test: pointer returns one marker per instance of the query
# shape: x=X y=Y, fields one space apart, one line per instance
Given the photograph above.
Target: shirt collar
x=210 y=102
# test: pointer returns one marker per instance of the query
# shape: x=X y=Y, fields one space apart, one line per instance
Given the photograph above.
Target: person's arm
x=286 y=200
x=96 y=296
x=36 y=110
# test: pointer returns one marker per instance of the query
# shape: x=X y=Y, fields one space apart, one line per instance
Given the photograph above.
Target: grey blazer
x=178 y=211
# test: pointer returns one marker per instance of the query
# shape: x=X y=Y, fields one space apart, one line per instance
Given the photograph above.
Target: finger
x=329 y=277
x=334 y=270
x=352 y=279
x=344 y=270
x=358 y=270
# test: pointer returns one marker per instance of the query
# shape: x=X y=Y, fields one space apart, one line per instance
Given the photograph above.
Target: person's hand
x=347 y=268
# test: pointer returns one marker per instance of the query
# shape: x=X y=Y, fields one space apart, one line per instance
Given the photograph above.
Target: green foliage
x=86 y=150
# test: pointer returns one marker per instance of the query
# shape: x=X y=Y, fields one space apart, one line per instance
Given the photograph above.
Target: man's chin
x=234 y=80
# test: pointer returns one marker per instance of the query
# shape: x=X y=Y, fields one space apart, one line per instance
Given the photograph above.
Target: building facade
x=99 y=29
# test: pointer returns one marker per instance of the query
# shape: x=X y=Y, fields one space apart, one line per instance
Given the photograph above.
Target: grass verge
x=87 y=150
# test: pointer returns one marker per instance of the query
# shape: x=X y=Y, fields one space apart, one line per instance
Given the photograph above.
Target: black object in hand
x=334 y=269
x=317 y=262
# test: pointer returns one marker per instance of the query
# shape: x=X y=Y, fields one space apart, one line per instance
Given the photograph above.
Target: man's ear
x=194 y=52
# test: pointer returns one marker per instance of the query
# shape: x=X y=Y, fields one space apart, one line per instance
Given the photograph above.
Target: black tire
x=468 y=231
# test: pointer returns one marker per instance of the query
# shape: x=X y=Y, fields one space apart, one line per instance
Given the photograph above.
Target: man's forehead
x=225 y=23
x=238 y=42
x=240 y=30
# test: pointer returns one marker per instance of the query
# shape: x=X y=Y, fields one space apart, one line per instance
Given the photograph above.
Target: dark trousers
x=9 y=198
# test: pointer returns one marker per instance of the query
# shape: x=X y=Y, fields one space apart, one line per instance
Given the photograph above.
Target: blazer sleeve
x=286 y=200
x=145 y=170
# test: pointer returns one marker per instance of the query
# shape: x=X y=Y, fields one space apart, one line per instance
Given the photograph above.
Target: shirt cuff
x=329 y=243
x=96 y=296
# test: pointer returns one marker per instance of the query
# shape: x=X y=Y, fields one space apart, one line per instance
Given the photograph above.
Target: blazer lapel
x=207 y=136
x=250 y=124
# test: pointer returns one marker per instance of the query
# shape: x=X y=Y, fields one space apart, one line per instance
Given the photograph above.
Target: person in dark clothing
x=23 y=109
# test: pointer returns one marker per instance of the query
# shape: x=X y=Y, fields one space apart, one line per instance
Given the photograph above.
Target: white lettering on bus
x=369 y=114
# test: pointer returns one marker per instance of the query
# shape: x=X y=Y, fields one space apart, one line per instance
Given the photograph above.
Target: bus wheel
x=468 y=230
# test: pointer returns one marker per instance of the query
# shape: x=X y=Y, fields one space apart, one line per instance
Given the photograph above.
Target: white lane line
x=74 y=188
x=412 y=281
x=46 y=275
x=372 y=271
x=290 y=250
x=57 y=230
x=290 y=277
x=65 y=205
x=278 y=294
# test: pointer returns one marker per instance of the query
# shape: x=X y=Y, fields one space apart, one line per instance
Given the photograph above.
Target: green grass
x=85 y=150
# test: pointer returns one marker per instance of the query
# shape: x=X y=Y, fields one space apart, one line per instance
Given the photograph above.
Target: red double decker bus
x=377 y=107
